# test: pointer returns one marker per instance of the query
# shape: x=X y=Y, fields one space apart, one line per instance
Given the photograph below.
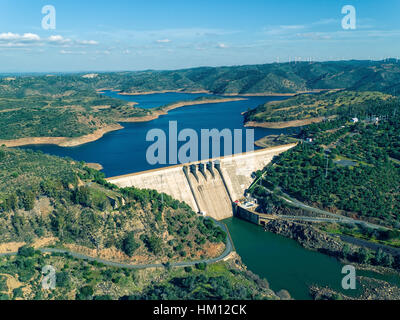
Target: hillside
x=63 y=108
x=350 y=169
x=20 y=279
x=284 y=78
x=313 y=108
x=50 y=202
x=43 y=197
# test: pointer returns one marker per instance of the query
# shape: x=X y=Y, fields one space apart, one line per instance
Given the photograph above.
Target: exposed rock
x=308 y=236
x=372 y=289
x=284 y=295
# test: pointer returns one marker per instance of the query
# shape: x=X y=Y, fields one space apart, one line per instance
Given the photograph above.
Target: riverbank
x=312 y=238
x=372 y=289
x=271 y=141
x=98 y=134
x=162 y=91
x=164 y=110
x=62 y=141
x=284 y=124
x=256 y=94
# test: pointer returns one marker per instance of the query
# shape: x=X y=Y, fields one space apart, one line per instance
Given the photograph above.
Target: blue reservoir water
x=124 y=151
x=148 y=101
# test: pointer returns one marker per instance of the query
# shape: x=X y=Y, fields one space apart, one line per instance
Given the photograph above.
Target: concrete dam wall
x=209 y=186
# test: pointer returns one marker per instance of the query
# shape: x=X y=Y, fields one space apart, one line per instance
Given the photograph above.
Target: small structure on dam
x=210 y=186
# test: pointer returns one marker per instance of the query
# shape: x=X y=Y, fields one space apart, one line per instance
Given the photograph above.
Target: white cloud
x=164 y=41
x=9 y=36
x=9 y=39
x=73 y=52
x=88 y=42
x=222 y=46
x=283 y=29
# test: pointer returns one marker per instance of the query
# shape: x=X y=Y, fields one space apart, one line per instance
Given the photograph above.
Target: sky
x=173 y=34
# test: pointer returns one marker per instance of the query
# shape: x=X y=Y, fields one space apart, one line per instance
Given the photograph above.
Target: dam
x=210 y=186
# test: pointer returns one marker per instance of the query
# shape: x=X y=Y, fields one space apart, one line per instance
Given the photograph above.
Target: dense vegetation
x=56 y=107
x=350 y=168
x=21 y=276
x=272 y=78
x=43 y=196
x=325 y=105
x=66 y=105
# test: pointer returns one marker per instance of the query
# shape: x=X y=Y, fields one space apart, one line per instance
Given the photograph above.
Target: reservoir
x=283 y=262
x=124 y=151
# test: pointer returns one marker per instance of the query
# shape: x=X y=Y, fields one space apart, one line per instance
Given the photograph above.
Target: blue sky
x=171 y=34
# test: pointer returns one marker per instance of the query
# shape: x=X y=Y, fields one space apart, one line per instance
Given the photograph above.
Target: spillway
x=209 y=186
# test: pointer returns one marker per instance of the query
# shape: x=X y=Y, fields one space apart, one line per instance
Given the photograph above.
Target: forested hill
x=70 y=106
x=272 y=78
x=381 y=76
x=45 y=197
x=47 y=201
x=351 y=169
x=317 y=107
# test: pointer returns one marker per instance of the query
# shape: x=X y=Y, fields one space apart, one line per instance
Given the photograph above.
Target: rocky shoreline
x=372 y=289
x=164 y=110
x=313 y=239
x=306 y=235
x=99 y=133
x=62 y=141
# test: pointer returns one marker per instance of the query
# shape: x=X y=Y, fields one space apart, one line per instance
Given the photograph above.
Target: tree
x=18 y=293
x=63 y=279
x=346 y=251
x=364 y=255
x=28 y=200
x=201 y=266
x=154 y=244
x=11 y=202
x=129 y=244
x=380 y=255
x=26 y=251
x=85 y=293
x=82 y=196
x=388 y=260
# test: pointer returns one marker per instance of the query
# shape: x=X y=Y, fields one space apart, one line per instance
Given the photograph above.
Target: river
x=282 y=261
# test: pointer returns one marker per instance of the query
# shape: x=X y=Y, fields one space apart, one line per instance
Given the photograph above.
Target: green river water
x=286 y=264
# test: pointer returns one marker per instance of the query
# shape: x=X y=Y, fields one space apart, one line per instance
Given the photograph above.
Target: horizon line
x=194 y=67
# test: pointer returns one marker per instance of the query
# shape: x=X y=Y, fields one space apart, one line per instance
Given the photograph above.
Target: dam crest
x=209 y=186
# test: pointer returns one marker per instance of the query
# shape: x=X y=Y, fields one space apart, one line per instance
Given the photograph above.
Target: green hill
x=47 y=201
x=351 y=169
x=318 y=107
x=69 y=105
x=47 y=197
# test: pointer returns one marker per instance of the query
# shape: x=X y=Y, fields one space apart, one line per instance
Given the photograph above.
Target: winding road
x=229 y=248
x=337 y=218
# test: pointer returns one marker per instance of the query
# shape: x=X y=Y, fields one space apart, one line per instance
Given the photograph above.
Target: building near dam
x=210 y=186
